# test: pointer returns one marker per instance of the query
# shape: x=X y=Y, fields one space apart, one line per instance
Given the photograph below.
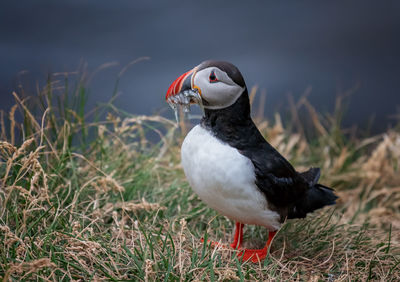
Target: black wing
x=275 y=176
x=292 y=194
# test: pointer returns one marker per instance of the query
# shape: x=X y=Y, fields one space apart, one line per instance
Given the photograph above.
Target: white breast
x=224 y=179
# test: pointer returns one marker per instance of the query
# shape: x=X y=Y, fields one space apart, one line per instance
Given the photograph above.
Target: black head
x=219 y=83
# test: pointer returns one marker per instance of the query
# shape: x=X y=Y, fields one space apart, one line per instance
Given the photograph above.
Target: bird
x=231 y=166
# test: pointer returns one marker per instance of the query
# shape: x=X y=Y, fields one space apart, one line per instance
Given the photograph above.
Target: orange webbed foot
x=255 y=256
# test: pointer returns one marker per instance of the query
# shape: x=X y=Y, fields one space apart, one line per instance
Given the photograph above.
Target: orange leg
x=256 y=255
x=238 y=237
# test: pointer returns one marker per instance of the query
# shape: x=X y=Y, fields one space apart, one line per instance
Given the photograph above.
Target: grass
x=88 y=196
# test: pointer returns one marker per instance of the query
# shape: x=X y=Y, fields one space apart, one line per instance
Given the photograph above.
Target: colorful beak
x=184 y=82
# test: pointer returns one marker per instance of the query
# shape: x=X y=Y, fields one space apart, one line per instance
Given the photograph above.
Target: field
x=100 y=195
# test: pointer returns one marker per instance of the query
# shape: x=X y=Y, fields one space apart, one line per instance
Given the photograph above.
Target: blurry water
x=281 y=47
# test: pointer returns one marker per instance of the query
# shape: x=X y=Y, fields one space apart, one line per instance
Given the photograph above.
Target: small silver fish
x=184 y=99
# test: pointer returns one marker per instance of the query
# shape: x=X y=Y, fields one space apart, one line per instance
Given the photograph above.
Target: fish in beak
x=183 y=92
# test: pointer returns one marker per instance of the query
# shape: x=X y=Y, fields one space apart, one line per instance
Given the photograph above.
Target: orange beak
x=183 y=82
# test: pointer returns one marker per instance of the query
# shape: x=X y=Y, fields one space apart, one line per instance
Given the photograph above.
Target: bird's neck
x=232 y=123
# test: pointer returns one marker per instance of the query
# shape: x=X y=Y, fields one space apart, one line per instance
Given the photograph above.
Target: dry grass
x=93 y=199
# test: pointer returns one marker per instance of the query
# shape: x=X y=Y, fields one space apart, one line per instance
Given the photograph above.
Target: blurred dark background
x=285 y=47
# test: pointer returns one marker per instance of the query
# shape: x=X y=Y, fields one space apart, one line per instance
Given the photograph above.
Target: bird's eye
x=213 y=77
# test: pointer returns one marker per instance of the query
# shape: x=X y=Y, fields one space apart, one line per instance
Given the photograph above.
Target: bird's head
x=219 y=84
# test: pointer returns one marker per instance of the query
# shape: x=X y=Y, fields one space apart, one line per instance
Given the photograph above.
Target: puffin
x=229 y=164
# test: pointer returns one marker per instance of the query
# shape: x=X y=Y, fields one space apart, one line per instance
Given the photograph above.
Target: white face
x=216 y=87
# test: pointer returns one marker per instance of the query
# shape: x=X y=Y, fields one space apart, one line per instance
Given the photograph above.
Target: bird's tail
x=317 y=196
